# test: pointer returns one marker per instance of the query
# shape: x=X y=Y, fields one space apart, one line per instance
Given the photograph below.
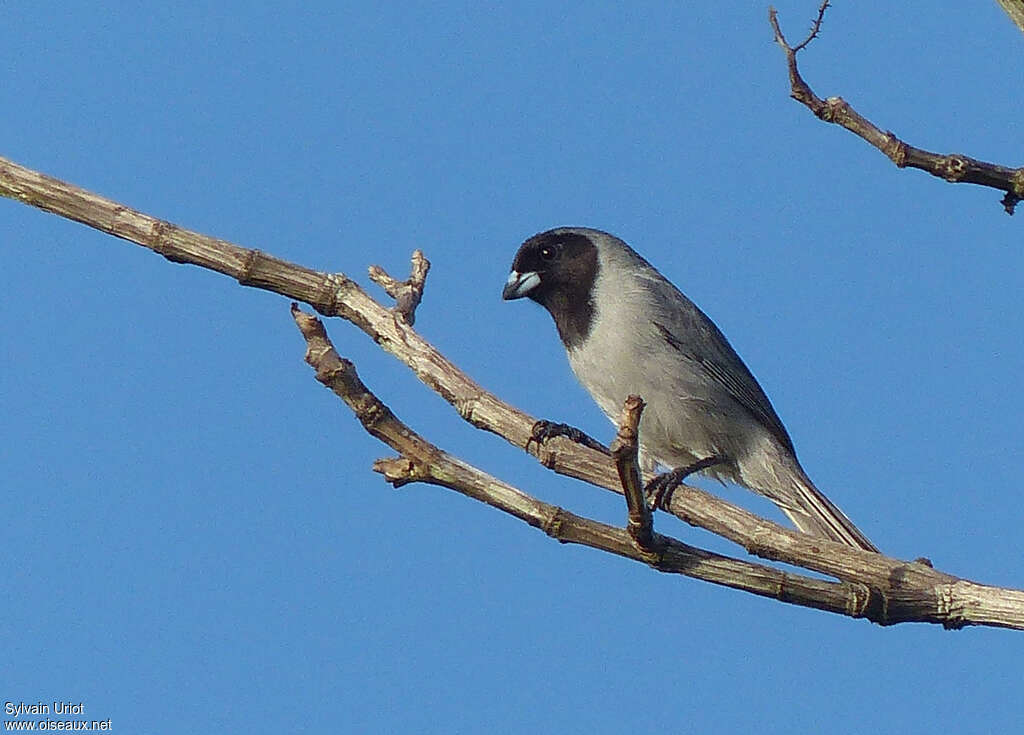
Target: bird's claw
x=659 y=490
x=544 y=430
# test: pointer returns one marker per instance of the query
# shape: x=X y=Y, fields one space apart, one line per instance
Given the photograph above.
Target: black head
x=557 y=269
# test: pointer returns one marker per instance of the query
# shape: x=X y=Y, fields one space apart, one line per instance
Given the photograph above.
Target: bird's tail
x=815 y=514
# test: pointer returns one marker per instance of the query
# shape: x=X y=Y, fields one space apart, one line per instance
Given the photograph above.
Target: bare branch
x=407 y=294
x=874 y=586
x=624 y=451
x=954 y=167
x=1014 y=9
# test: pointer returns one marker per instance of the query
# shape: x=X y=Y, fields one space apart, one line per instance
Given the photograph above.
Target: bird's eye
x=548 y=252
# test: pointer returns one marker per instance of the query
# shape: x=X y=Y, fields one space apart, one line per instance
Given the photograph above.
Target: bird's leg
x=544 y=430
x=659 y=490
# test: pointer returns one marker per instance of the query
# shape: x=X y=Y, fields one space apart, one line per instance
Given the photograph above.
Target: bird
x=628 y=331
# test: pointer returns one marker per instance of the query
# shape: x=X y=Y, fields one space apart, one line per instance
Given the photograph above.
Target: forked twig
x=408 y=293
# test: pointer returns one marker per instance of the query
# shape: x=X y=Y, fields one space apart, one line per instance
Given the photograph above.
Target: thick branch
x=953 y=167
x=899 y=590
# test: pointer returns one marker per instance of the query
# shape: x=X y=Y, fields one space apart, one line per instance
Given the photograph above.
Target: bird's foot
x=544 y=430
x=659 y=490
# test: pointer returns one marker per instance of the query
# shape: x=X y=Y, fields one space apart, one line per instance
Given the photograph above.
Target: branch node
x=952 y=167
x=160 y=241
x=760 y=543
x=895 y=149
x=553 y=525
x=946 y=604
x=546 y=456
x=328 y=294
x=1017 y=182
x=1016 y=193
x=466 y=407
x=398 y=471
x=860 y=599
x=832 y=109
x=252 y=258
x=408 y=293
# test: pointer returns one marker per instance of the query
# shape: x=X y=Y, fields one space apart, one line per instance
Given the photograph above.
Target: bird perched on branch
x=628 y=330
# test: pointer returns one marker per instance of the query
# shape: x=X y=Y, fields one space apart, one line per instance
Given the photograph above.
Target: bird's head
x=557 y=269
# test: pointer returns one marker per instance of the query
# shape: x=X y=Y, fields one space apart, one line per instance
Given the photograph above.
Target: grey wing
x=686 y=329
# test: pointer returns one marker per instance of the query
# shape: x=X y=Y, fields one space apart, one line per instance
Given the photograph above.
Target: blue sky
x=194 y=540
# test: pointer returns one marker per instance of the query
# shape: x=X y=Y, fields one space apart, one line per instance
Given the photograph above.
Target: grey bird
x=628 y=330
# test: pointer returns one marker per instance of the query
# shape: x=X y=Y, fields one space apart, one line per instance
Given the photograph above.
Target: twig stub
x=408 y=293
x=625 y=451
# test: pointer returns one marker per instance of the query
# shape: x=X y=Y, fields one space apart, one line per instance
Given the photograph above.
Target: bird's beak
x=520 y=285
